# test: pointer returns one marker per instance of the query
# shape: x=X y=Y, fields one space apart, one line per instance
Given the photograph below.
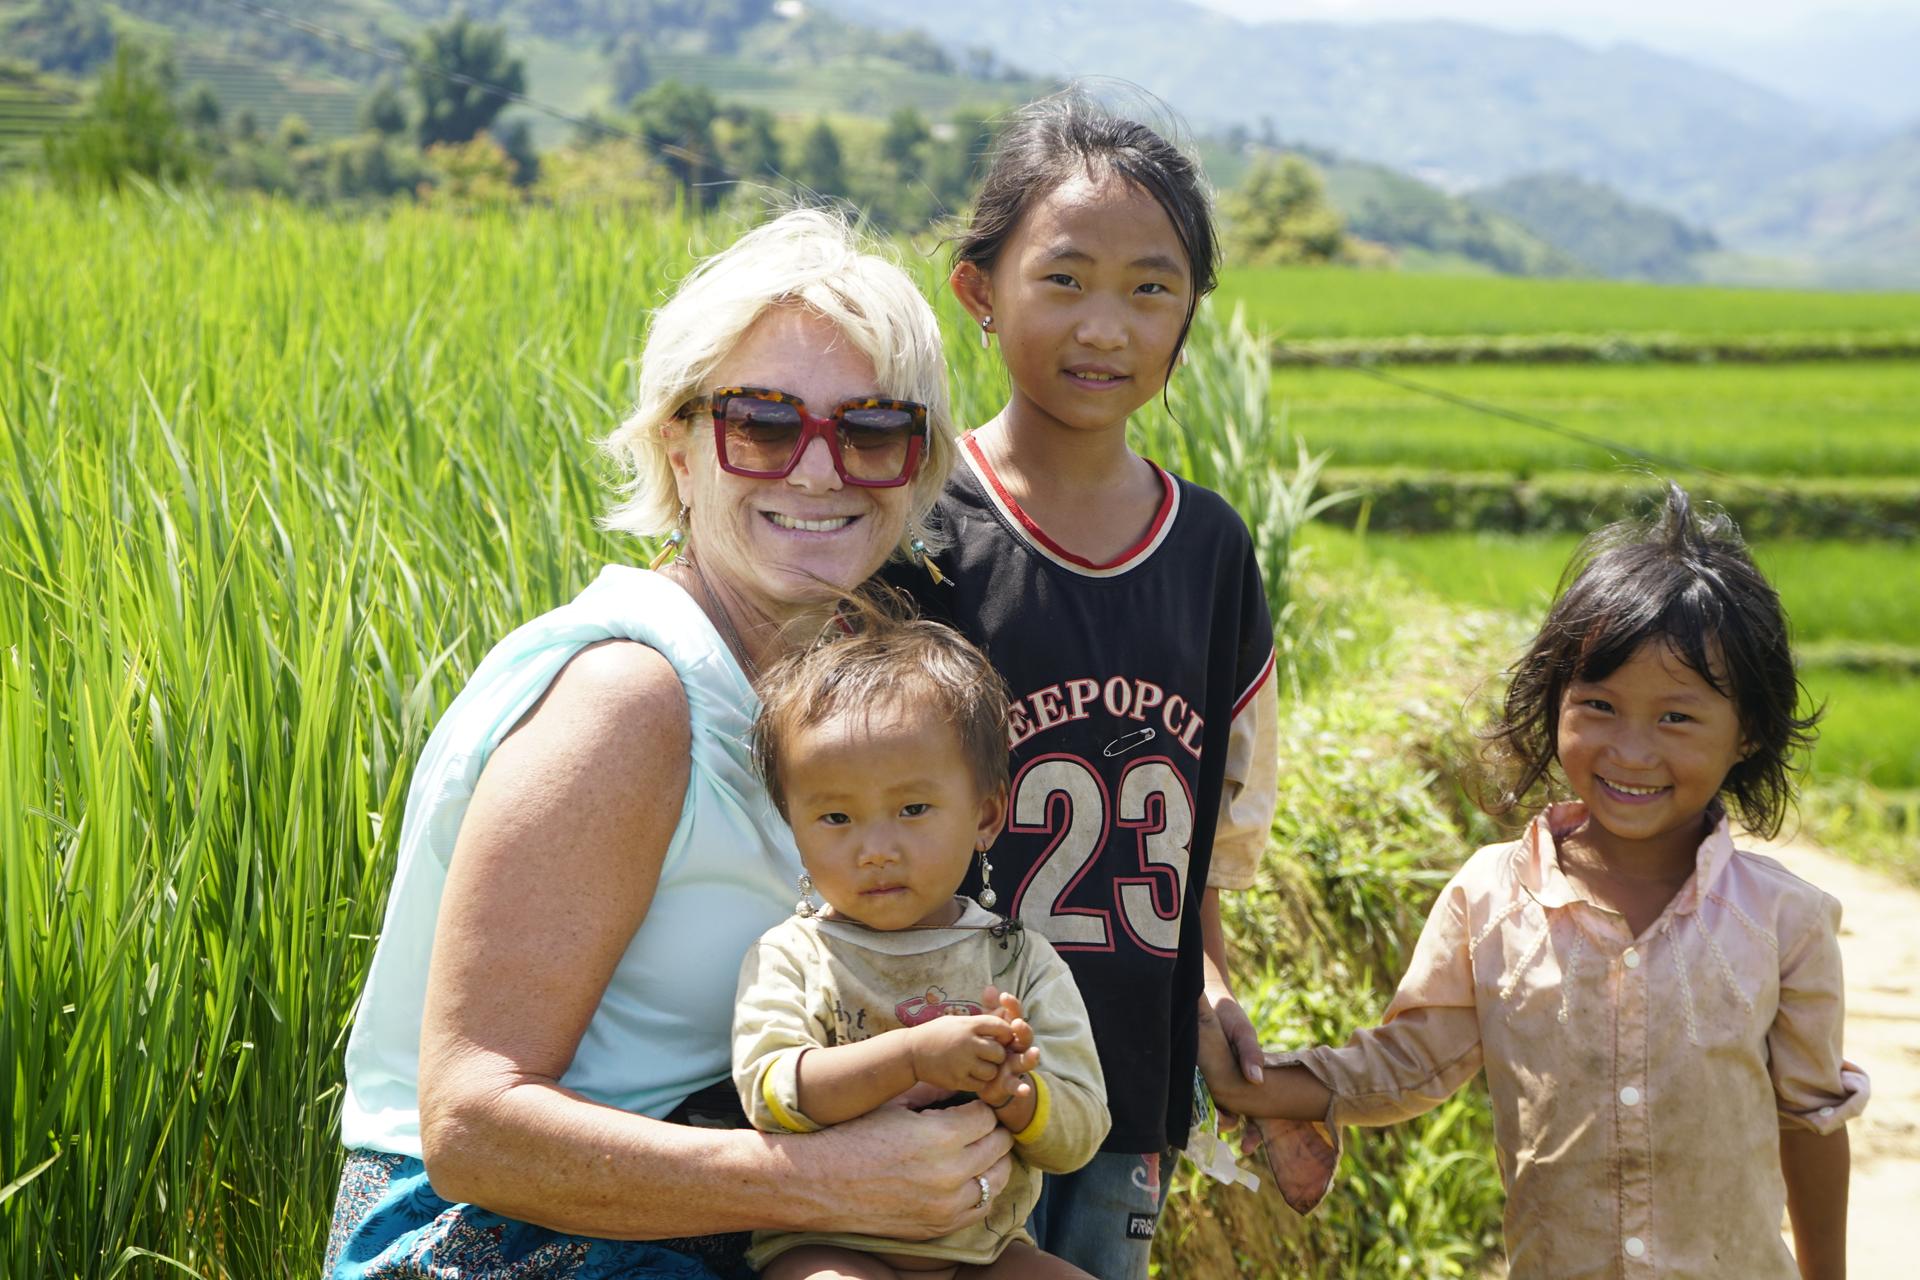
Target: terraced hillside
x=1477 y=479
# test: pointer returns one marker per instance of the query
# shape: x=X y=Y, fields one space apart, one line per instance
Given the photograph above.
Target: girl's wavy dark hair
x=1071 y=133
x=1684 y=577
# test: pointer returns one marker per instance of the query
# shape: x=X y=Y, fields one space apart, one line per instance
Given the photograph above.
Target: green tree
x=957 y=157
x=454 y=110
x=821 y=167
x=201 y=109
x=677 y=122
x=129 y=128
x=632 y=71
x=904 y=143
x=384 y=110
x=752 y=149
x=1280 y=214
x=58 y=35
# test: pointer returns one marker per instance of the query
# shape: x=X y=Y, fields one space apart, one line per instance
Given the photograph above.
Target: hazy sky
x=1854 y=56
x=1619 y=18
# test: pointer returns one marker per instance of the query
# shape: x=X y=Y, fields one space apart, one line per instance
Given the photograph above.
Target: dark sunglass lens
x=875 y=442
x=760 y=434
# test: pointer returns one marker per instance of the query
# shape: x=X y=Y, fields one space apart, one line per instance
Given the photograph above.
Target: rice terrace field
x=277 y=477
x=1835 y=438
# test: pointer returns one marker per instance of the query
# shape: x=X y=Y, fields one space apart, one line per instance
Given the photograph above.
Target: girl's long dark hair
x=1684 y=577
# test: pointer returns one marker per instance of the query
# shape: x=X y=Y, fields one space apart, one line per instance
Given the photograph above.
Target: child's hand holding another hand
x=1010 y=1083
x=961 y=1051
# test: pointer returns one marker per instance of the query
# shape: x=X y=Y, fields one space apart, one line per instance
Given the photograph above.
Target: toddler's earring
x=675 y=540
x=987 y=896
x=925 y=557
x=986 y=327
x=806 y=908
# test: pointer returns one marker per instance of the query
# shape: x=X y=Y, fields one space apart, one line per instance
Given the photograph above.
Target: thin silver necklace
x=727 y=632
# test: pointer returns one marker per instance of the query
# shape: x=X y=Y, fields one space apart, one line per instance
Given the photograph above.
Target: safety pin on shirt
x=1120 y=746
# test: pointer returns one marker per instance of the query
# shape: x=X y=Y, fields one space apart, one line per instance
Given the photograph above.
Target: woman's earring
x=806 y=908
x=986 y=327
x=987 y=896
x=675 y=540
x=1183 y=357
x=925 y=557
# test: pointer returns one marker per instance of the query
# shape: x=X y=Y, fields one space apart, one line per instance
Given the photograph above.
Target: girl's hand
x=1230 y=1053
x=961 y=1051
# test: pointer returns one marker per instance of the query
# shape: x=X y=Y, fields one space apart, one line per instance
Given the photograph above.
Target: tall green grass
x=275 y=482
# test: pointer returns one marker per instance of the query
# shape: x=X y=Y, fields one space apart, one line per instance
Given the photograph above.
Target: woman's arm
x=555 y=869
x=1816 y=1167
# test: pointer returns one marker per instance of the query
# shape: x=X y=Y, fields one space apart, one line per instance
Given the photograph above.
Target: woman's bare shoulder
x=614 y=693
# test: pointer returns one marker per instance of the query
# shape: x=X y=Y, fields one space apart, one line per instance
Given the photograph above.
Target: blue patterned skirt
x=389 y=1225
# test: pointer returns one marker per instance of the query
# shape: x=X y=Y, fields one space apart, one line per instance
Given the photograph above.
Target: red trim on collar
x=1039 y=535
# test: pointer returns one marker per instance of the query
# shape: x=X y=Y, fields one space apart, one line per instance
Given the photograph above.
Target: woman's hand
x=899 y=1173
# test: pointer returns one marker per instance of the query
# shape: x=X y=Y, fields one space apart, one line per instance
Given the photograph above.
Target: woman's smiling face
x=796 y=540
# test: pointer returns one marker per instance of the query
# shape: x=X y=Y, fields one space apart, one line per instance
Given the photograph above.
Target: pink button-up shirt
x=1639 y=1084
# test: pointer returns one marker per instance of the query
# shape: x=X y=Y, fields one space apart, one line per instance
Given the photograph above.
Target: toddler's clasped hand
x=987 y=1054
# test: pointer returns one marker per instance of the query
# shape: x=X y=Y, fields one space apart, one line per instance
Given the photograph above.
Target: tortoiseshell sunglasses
x=760 y=433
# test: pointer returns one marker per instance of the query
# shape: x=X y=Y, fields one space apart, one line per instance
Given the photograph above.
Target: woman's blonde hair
x=807 y=257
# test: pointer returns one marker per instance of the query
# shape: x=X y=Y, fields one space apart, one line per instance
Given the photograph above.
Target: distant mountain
x=1382 y=204
x=1601 y=228
x=1459 y=105
x=1860 y=213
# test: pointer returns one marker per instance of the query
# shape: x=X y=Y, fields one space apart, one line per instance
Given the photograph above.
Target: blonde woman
x=588 y=854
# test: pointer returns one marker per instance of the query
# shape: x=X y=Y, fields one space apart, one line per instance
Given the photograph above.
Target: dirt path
x=1880 y=944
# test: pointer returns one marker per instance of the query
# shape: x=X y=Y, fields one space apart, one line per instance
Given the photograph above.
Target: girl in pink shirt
x=1658 y=1011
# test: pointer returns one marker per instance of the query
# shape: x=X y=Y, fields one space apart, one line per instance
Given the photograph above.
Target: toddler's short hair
x=876 y=654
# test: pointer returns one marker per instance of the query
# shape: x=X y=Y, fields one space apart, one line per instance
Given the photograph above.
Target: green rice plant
x=275 y=482
x=1332 y=302
x=1834 y=593
x=1828 y=419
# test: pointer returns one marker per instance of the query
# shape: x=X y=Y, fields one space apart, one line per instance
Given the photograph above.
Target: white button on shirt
x=1631 y=959
x=1636 y=1247
x=1630 y=1096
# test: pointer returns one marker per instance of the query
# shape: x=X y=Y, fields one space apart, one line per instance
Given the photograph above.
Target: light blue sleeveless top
x=663 y=1028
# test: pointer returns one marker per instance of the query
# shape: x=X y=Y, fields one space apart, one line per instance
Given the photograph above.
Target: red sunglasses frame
x=826 y=429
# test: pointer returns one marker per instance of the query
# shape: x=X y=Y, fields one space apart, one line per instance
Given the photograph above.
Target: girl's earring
x=806 y=908
x=987 y=896
x=675 y=540
x=986 y=327
x=1183 y=357
x=925 y=557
